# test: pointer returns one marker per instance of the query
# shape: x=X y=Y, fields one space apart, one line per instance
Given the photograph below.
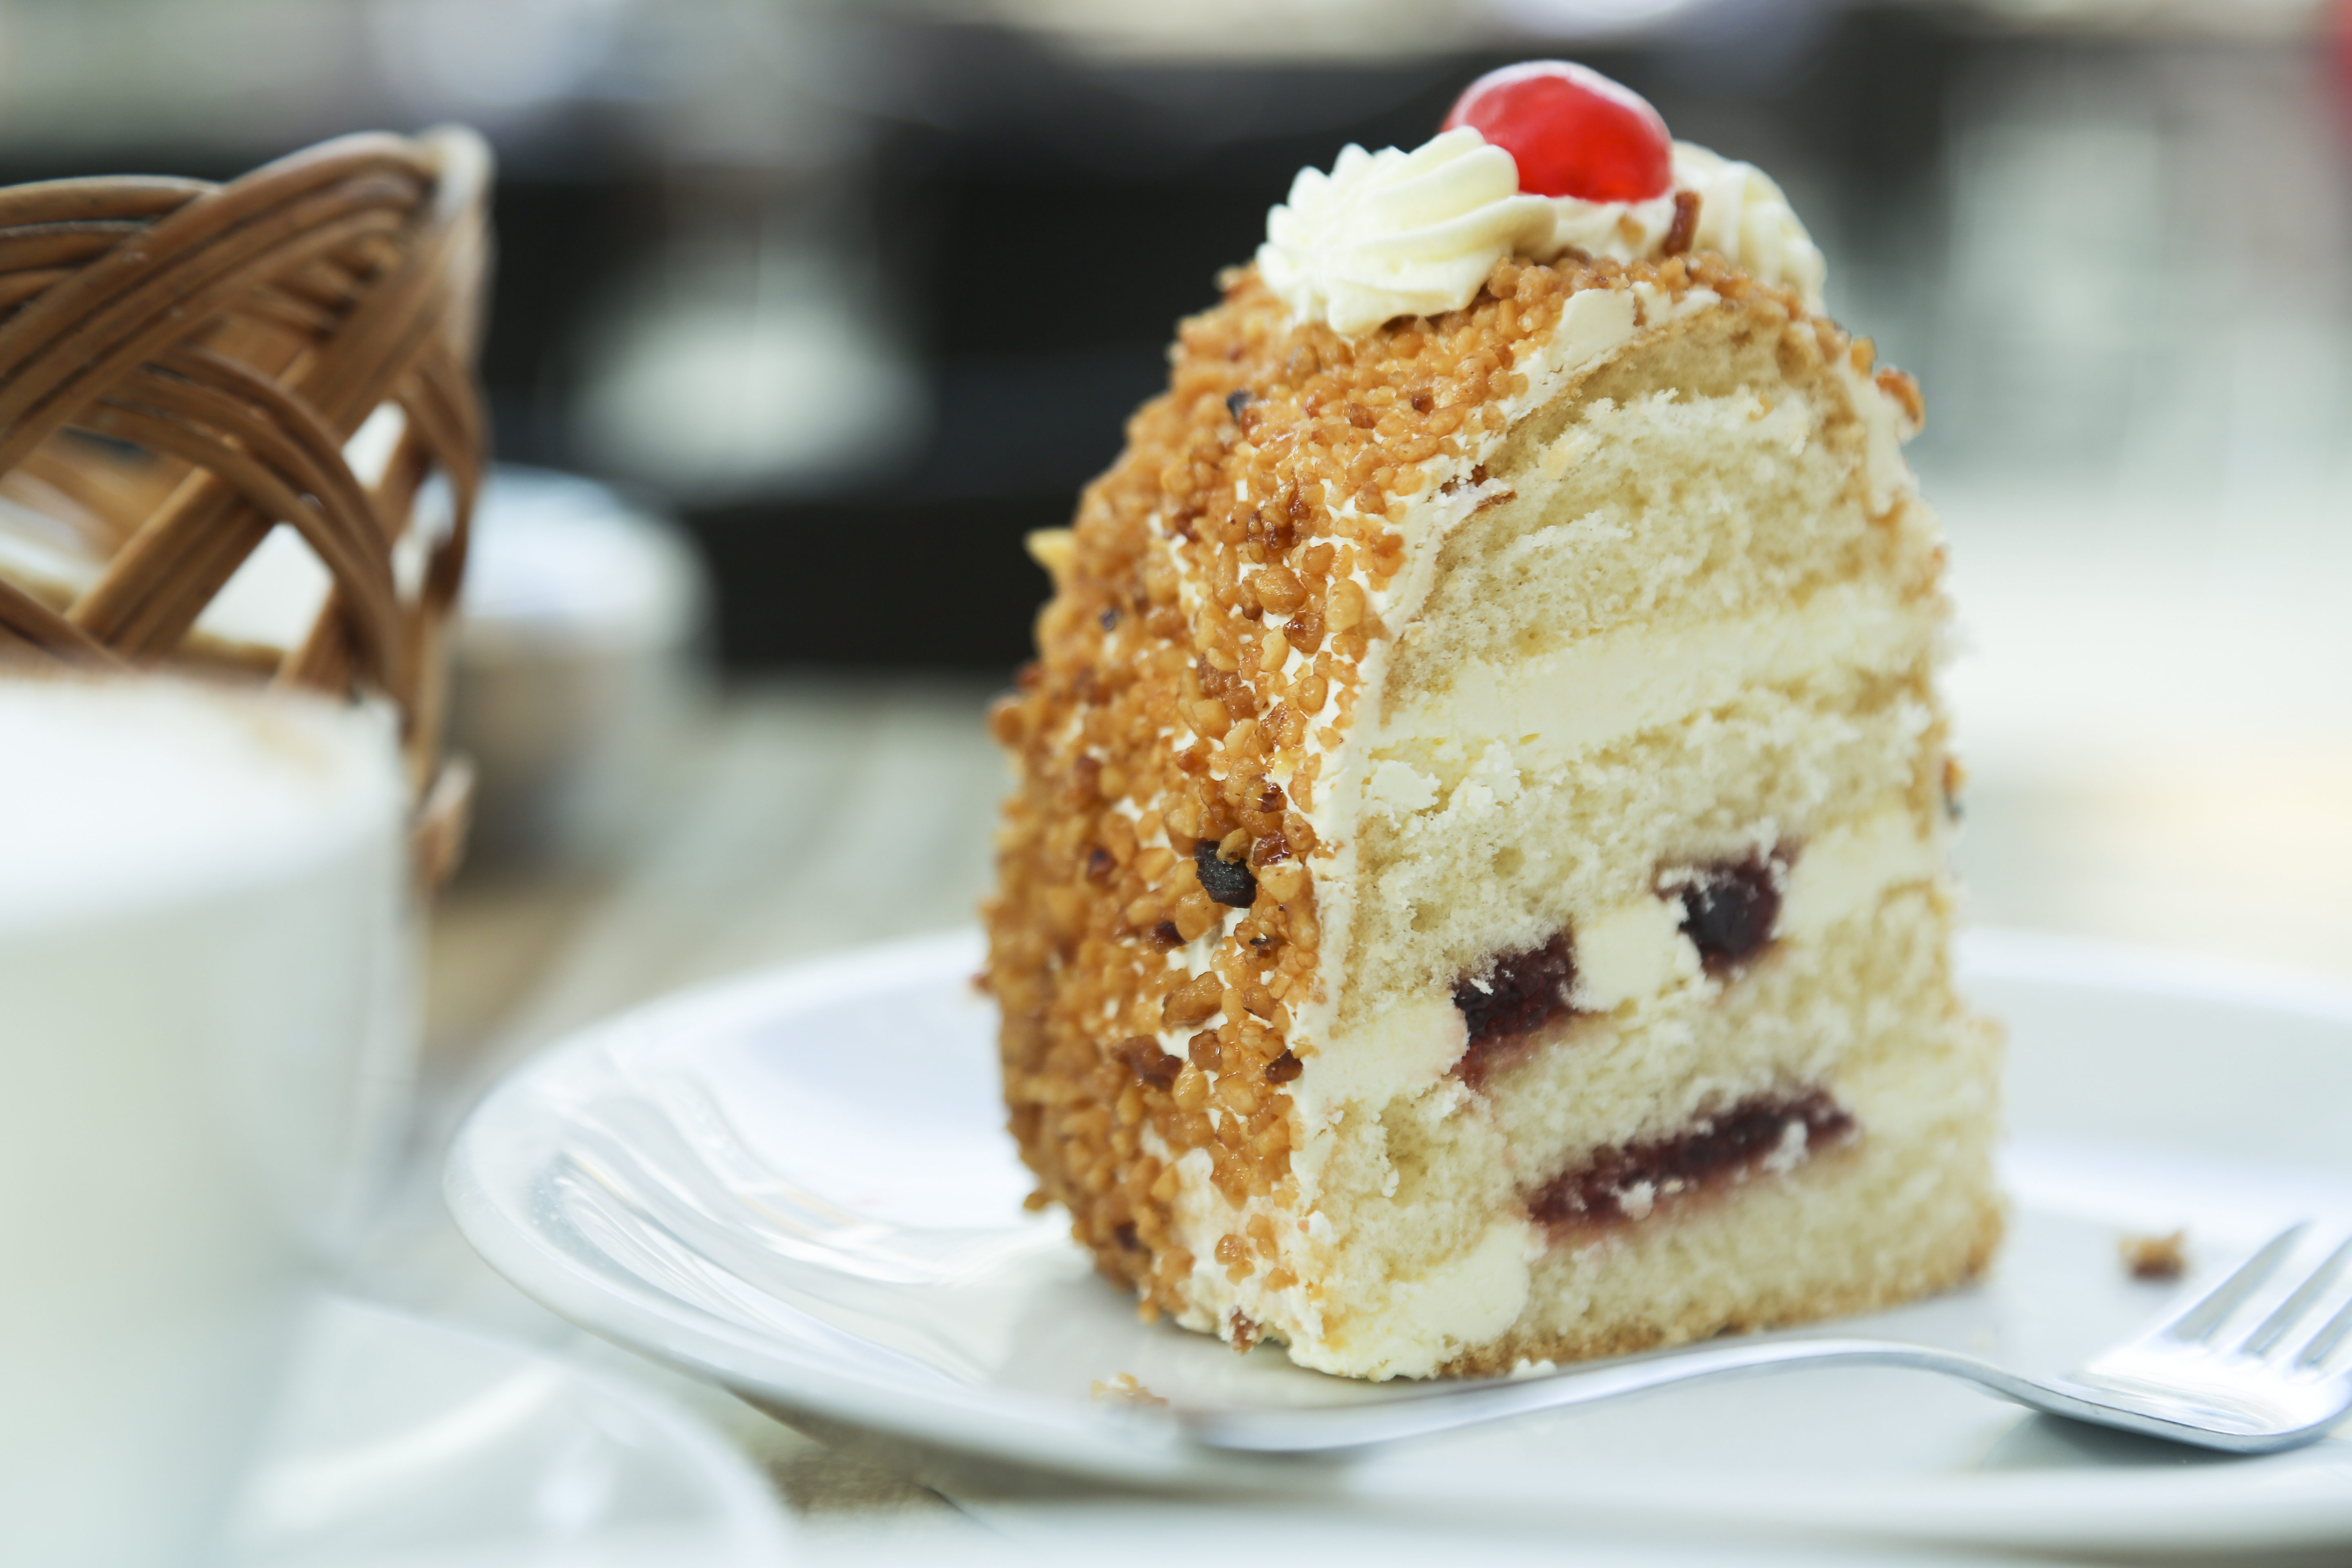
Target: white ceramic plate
x=797 y=1185
x=402 y=1443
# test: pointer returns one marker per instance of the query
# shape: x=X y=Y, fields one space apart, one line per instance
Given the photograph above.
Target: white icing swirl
x=1743 y=217
x=1393 y=234
x=1399 y=234
x=1623 y=231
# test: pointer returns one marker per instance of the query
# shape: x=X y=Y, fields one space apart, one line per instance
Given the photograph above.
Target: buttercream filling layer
x=1557 y=705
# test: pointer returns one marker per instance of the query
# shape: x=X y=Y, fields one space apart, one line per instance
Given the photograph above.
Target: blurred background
x=835 y=300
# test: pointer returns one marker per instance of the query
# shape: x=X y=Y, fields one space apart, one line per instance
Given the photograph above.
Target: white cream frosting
x=1744 y=217
x=1399 y=234
x=1471 y=1297
x=1392 y=234
x=1623 y=231
x=1597 y=688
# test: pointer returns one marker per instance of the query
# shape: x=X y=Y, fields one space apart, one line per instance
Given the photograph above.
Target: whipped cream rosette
x=1391 y=234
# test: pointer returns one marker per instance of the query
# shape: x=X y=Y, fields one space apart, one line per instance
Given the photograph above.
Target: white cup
x=208 y=1017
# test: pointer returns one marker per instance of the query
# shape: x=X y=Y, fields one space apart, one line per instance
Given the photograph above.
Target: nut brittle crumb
x=2155 y=1259
x=1124 y=1388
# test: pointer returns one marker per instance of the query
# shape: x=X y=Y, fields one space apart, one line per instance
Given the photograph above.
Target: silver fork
x=2260 y=1360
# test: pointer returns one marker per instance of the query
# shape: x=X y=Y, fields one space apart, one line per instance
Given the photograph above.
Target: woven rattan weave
x=182 y=368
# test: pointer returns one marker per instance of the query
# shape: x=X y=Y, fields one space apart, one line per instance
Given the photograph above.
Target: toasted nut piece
x=1054 y=548
x=1279 y=590
x=1285 y=879
x=1194 y=1002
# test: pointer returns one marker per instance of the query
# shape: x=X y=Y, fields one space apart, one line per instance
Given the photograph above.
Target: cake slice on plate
x=1476 y=889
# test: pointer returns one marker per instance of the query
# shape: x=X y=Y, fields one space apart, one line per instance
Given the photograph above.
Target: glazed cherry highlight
x=1572 y=130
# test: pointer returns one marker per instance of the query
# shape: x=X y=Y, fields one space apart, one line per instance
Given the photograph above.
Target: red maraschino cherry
x=1573 y=131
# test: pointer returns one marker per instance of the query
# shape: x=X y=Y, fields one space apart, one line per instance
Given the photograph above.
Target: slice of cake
x=1476 y=889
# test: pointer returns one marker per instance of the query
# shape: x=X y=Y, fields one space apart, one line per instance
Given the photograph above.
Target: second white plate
x=797 y=1185
x=400 y=1442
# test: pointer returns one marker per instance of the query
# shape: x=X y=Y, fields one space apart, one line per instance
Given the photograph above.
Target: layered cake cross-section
x=1476 y=892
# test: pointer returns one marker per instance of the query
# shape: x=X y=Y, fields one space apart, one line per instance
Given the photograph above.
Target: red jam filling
x=1524 y=992
x=1628 y=1183
x=1731 y=908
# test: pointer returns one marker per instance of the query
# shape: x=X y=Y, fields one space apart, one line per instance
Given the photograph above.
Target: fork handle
x=1332 y=1428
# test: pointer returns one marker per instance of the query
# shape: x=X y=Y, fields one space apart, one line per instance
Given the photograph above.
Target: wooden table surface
x=799 y=819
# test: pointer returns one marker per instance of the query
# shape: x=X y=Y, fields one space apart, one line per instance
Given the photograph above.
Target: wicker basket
x=183 y=367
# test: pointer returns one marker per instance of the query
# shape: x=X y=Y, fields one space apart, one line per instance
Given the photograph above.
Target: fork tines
x=2289 y=1304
